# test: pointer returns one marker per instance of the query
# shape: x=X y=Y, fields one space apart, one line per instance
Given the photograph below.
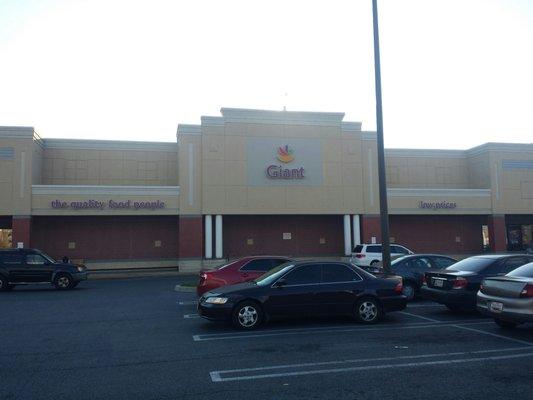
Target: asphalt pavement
x=139 y=339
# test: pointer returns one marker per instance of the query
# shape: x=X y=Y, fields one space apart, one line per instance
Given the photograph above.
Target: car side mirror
x=280 y=283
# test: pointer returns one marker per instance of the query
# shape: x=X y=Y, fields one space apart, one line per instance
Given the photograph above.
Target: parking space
x=139 y=339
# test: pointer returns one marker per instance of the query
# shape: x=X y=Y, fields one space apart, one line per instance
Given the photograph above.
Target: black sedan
x=456 y=286
x=412 y=269
x=305 y=289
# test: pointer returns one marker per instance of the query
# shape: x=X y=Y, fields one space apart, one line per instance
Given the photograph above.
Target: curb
x=179 y=288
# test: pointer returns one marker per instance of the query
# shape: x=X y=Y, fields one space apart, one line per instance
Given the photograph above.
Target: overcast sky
x=456 y=73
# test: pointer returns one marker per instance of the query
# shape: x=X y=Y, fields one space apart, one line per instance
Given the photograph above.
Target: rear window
x=11 y=258
x=358 y=249
x=472 y=264
x=525 y=271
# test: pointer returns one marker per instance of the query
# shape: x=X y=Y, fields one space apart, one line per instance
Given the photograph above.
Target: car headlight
x=80 y=268
x=216 y=300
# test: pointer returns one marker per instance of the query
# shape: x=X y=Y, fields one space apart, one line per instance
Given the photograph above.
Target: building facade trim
x=105 y=190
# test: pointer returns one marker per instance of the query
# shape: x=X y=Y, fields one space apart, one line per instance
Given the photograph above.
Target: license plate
x=496 y=306
x=438 y=282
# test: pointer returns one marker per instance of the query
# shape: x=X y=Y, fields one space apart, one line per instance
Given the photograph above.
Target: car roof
x=498 y=256
x=262 y=256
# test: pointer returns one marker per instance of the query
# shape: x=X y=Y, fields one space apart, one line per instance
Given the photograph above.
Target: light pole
x=383 y=207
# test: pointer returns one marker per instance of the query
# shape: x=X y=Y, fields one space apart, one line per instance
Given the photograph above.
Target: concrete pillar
x=208 y=236
x=356 y=230
x=218 y=236
x=347 y=236
x=21 y=234
x=190 y=236
x=497 y=233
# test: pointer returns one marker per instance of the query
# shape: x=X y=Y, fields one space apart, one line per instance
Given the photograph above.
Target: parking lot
x=138 y=338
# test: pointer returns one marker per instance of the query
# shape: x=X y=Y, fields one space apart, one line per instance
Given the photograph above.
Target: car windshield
x=471 y=264
x=268 y=277
x=525 y=271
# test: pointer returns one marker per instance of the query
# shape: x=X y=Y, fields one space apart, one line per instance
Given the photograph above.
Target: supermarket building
x=256 y=182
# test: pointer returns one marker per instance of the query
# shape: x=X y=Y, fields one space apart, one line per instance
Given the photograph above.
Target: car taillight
x=398 y=288
x=459 y=283
x=360 y=255
x=424 y=280
x=527 y=291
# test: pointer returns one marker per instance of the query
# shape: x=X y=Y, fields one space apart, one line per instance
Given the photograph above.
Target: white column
x=356 y=230
x=347 y=236
x=218 y=236
x=208 y=236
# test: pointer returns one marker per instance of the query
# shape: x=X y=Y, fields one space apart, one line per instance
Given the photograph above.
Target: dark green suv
x=28 y=266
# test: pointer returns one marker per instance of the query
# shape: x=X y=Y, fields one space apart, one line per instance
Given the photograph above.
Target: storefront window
x=5 y=238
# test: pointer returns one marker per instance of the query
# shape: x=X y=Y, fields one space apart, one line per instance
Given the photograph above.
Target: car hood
x=231 y=289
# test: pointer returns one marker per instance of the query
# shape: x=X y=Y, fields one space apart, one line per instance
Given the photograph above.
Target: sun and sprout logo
x=285 y=154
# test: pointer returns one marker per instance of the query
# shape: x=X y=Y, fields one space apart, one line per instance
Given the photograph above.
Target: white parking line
x=495 y=335
x=423 y=305
x=187 y=303
x=191 y=316
x=264 y=333
x=216 y=376
x=419 y=316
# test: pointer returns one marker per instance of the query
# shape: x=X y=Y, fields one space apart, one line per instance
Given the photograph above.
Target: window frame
x=299 y=284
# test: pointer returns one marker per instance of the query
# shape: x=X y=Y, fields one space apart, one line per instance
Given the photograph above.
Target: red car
x=238 y=271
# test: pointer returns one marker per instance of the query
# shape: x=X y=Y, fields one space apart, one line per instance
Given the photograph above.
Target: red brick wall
x=267 y=234
x=370 y=227
x=436 y=234
x=21 y=231
x=107 y=237
x=497 y=233
x=191 y=236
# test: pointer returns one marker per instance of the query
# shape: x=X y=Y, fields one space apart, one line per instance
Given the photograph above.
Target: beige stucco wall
x=190 y=173
x=512 y=187
x=16 y=173
x=427 y=169
x=224 y=171
x=99 y=163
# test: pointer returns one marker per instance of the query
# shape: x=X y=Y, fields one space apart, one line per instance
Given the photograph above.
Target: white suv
x=365 y=255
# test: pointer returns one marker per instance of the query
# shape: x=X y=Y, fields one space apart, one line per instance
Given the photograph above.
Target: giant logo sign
x=285 y=155
x=284 y=162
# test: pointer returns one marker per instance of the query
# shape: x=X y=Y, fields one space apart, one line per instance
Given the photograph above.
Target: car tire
x=409 y=291
x=505 y=324
x=374 y=262
x=63 y=282
x=247 y=315
x=368 y=310
x=4 y=284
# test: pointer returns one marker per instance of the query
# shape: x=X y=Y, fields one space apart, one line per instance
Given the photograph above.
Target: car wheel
x=62 y=282
x=409 y=291
x=4 y=284
x=247 y=315
x=505 y=324
x=373 y=263
x=368 y=310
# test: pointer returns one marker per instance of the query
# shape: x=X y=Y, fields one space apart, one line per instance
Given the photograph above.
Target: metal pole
x=383 y=207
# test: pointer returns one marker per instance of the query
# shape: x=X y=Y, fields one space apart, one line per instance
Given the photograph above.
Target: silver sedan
x=508 y=299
